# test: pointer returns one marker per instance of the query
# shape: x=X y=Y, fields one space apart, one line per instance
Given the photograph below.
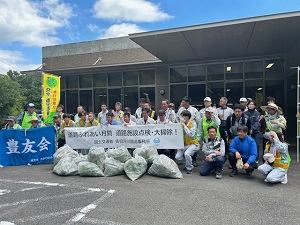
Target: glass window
x=274 y=88
x=254 y=69
x=115 y=79
x=100 y=95
x=72 y=81
x=149 y=94
x=178 y=74
x=72 y=101
x=234 y=91
x=86 y=100
x=62 y=98
x=197 y=73
x=130 y=78
x=115 y=95
x=147 y=77
x=254 y=90
x=197 y=94
x=63 y=82
x=177 y=92
x=85 y=81
x=131 y=98
x=215 y=90
x=274 y=68
x=215 y=72
x=100 y=80
x=234 y=70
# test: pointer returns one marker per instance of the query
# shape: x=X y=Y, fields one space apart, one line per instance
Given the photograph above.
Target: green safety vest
x=26 y=120
x=206 y=125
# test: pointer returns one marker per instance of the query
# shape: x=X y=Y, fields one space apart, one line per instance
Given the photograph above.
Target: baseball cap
x=209 y=109
x=56 y=116
x=207 y=99
x=243 y=99
x=11 y=118
x=30 y=105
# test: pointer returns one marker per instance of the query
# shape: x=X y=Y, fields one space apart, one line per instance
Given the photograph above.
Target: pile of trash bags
x=113 y=162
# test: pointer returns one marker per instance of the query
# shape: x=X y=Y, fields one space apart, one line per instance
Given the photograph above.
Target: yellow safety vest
x=190 y=140
x=278 y=161
x=95 y=123
x=63 y=125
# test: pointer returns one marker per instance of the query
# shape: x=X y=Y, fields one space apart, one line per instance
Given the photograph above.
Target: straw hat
x=34 y=118
x=271 y=106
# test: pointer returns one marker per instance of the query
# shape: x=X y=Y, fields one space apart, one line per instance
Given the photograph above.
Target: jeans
x=233 y=160
x=214 y=165
x=274 y=175
x=187 y=152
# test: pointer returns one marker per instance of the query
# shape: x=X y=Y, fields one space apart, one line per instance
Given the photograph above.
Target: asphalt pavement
x=35 y=195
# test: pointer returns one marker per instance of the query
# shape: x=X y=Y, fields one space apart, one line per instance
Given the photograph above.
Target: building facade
x=240 y=58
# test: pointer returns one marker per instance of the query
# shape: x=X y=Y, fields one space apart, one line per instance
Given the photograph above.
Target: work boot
x=189 y=171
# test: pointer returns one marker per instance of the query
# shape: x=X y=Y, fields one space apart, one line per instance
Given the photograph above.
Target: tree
x=12 y=100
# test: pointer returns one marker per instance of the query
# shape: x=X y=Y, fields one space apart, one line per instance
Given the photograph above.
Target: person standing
x=118 y=114
x=92 y=122
x=127 y=119
x=191 y=143
x=102 y=114
x=207 y=103
x=35 y=123
x=11 y=124
x=110 y=119
x=145 y=120
x=24 y=118
x=152 y=113
x=76 y=117
x=170 y=114
x=243 y=103
x=243 y=147
x=224 y=112
x=253 y=115
x=209 y=119
x=138 y=112
x=82 y=119
x=214 y=151
x=59 y=137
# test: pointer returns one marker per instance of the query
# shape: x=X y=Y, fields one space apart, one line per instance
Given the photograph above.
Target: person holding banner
x=35 y=123
x=191 y=143
x=128 y=119
x=102 y=114
x=146 y=119
x=110 y=119
x=25 y=117
x=91 y=120
x=59 y=137
x=11 y=124
x=82 y=119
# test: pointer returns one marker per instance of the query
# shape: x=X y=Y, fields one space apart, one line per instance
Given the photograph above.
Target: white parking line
x=89 y=207
x=47 y=215
x=4 y=191
x=43 y=199
x=100 y=222
x=53 y=184
x=29 y=189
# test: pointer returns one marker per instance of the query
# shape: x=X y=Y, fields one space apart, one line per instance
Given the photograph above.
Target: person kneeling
x=277 y=159
x=243 y=147
x=214 y=150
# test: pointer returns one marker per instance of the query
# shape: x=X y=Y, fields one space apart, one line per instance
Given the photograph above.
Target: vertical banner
x=51 y=96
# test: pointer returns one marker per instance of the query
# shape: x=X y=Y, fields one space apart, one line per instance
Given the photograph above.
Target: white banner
x=163 y=136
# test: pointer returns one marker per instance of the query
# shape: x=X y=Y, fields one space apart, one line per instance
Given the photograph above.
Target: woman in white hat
x=277 y=159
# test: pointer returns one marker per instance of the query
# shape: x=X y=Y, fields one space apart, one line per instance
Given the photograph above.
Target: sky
x=28 y=25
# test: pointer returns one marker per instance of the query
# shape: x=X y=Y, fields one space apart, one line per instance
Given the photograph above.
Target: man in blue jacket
x=243 y=147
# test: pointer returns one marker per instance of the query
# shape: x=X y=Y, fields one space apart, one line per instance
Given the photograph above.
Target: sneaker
x=189 y=171
x=195 y=164
x=233 y=173
x=285 y=179
x=219 y=175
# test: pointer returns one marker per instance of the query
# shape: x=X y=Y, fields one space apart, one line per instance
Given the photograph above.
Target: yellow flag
x=51 y=96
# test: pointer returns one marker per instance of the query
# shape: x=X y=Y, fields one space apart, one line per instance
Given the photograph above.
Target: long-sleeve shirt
x=253 y=116
x=143 y=122
x=192 y=131
x=191 y=109
x=170 y=115
x=246 y=147
x=210 y=147
x=232 y=124
x=225 y=112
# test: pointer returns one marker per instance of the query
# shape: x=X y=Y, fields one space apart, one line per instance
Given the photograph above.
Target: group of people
x=222 y=133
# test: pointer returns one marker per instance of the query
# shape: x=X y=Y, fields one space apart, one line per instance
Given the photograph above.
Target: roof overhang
x=252 y=37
